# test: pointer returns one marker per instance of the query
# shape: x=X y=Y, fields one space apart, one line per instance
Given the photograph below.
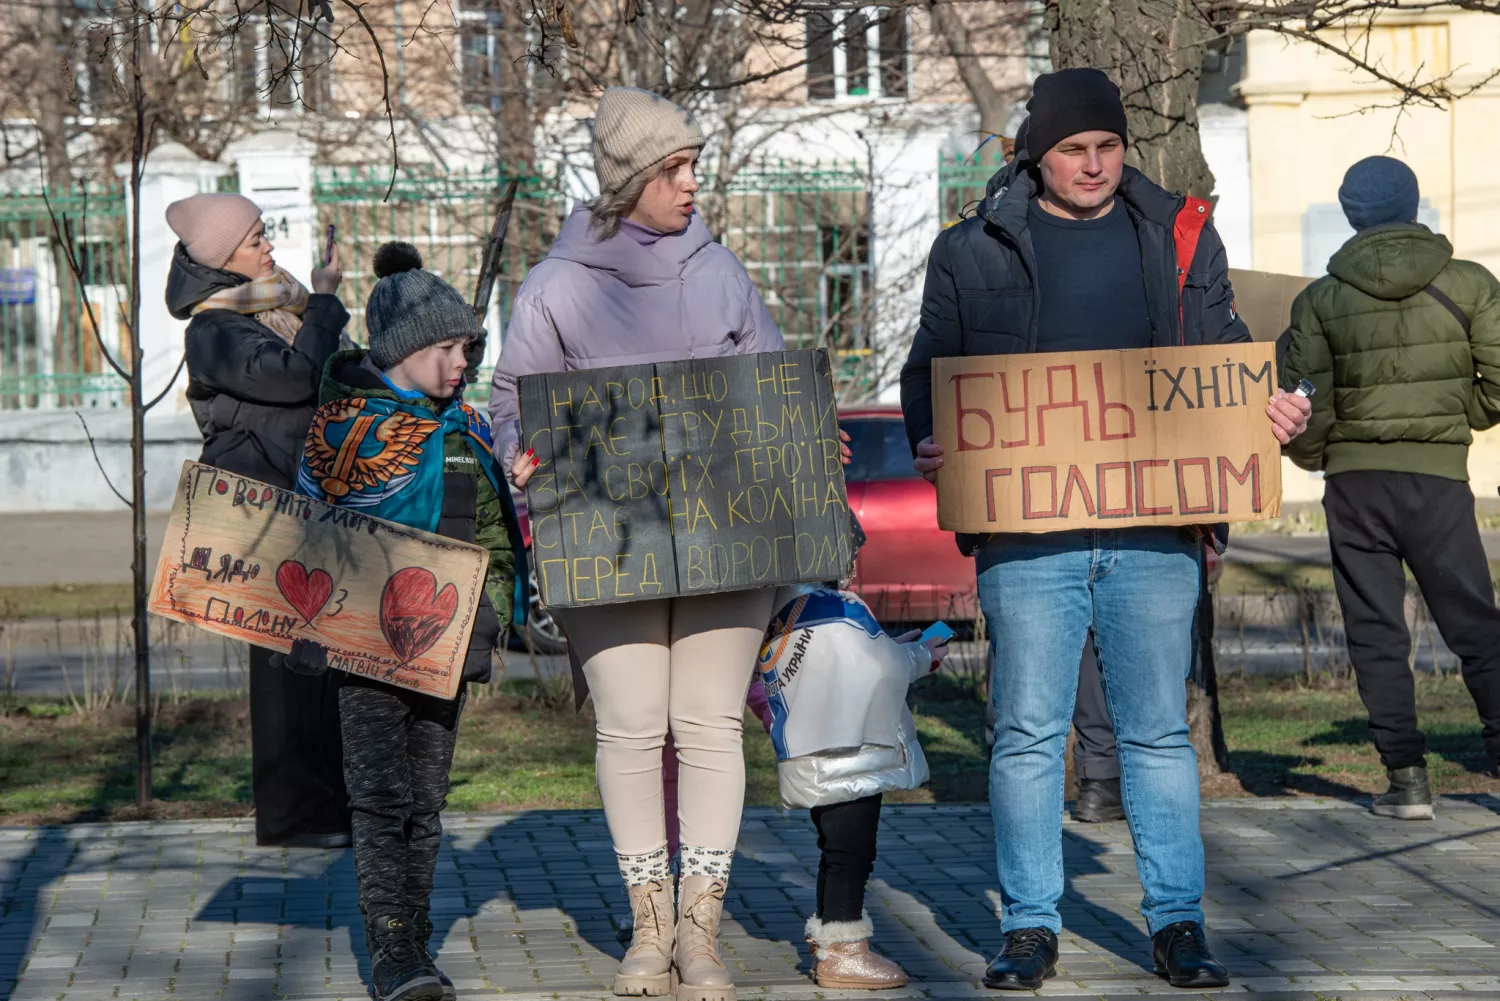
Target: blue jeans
x=1137 y=589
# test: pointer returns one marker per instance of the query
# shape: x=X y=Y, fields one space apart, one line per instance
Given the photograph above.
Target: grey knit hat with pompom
x=410 y=309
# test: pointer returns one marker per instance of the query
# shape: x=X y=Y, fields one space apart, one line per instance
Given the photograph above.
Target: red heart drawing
x=307 y=592
x=414 y=613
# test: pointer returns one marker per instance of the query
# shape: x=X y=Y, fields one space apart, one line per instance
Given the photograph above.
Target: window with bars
x=282 y=69
x=242 y=79
x=317 y=70
x=860 y=53
x=481 y=53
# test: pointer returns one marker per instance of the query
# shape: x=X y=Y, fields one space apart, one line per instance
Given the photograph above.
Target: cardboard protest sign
x=689 y=477
x=1106 y=439
x=1264 y=300
x=266 y=565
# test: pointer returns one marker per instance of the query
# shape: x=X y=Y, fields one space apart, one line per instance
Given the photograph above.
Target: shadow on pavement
x=25 y=878
x=1266 y=774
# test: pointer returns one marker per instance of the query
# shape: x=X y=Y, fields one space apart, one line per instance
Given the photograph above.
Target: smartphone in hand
x=939 y=631
x=328 y=247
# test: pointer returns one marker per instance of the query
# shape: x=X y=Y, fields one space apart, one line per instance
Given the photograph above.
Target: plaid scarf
x=276 y=300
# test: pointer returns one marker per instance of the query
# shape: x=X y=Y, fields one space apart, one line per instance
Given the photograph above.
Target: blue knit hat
x=1379 y=190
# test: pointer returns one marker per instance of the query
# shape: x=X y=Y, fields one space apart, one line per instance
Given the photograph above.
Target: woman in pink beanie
x=256 y=345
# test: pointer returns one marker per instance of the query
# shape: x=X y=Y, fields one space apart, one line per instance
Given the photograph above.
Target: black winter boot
x=1408 y=798
x=421 y=925
x=1099 y=800
x=399 y=968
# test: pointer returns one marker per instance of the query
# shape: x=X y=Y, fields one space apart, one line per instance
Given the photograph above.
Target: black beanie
x=1068 y=102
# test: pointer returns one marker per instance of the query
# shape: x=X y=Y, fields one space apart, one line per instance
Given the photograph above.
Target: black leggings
x=846 y=837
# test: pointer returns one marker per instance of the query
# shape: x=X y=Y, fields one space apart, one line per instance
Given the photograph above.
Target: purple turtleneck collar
x=644 y=235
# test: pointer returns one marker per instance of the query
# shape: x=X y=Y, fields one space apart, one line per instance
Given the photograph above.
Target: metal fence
x=801 y=230
x=803 y=234
x=961 y=181
x=49 y=356
x=447 y=217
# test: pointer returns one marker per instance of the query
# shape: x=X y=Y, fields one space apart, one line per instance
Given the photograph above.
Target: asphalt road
x=94 y=548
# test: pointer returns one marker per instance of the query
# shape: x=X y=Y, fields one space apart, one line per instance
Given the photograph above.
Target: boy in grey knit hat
x=394 y=439
x=411 y=309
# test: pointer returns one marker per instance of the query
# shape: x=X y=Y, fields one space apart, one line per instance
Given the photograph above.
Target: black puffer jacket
x=980 y=297
x=253 y=394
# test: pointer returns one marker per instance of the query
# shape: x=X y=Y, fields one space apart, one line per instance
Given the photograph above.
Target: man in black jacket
x=1079 y=252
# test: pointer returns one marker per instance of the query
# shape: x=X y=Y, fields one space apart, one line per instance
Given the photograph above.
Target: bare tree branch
x=97 y=462
x=181 y=364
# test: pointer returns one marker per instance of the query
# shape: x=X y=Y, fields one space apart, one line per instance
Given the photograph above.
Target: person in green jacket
x=1402 y=342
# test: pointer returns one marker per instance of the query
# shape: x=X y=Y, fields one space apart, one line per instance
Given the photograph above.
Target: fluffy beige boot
x=843 y=958
x=646 y=970
x=701 y=974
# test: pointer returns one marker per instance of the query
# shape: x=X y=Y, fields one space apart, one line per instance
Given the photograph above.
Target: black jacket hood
x=189 y=283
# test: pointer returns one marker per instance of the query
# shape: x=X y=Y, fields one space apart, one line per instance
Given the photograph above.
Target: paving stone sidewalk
x=1306 y=899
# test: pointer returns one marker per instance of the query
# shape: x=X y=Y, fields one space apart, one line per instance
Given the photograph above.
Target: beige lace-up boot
x=701 y=974
x=646 y=970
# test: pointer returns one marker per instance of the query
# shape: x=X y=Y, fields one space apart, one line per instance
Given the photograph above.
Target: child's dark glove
x=306 y=657
x=483 y=640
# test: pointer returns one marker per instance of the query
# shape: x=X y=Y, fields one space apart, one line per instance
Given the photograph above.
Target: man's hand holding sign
x=1161 y=436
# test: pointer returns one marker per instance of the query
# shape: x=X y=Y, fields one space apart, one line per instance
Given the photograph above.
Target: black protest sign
x=687 y=477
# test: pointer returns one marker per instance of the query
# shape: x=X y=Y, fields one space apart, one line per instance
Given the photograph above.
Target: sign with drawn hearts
x=257 y=563
x=414 y=613
x=307 y=592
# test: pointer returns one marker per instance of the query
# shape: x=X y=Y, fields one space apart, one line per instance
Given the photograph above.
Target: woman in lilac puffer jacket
x=635 y=278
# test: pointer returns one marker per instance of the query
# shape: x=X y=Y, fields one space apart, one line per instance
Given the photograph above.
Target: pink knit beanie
x=212 y=226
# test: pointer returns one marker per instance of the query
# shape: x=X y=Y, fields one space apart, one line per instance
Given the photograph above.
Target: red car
x=909 y=570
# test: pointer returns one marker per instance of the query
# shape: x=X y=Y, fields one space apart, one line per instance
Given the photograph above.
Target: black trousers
x=1377 y=520
x=398 y=747
x=846 y=838
x=1094 y=750
x=297 y=764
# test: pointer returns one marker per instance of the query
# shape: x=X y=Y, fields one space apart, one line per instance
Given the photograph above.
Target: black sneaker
x=1028 y=958
x=399 y=968
x=1099 y=800
x=1409 y=796
x=1181 y=955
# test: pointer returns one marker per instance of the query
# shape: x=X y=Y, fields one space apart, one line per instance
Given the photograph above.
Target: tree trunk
x=992 y=103
x=138 y=407
x=1154 y=50
x=57 y=177
x=1205 y=727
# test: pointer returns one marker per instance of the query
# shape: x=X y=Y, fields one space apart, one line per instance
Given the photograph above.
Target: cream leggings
x=682 y=664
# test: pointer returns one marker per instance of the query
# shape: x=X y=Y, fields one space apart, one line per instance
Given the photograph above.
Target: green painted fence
x=49 y=356
x=961 y=180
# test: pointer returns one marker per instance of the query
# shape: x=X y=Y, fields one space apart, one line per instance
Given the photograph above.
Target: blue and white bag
x=836 y=685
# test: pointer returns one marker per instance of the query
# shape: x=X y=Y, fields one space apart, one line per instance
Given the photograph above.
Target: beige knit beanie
x=212 y=227
x=634 y=130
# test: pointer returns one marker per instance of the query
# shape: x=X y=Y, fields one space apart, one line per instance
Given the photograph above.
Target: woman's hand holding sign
x=522 y=466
